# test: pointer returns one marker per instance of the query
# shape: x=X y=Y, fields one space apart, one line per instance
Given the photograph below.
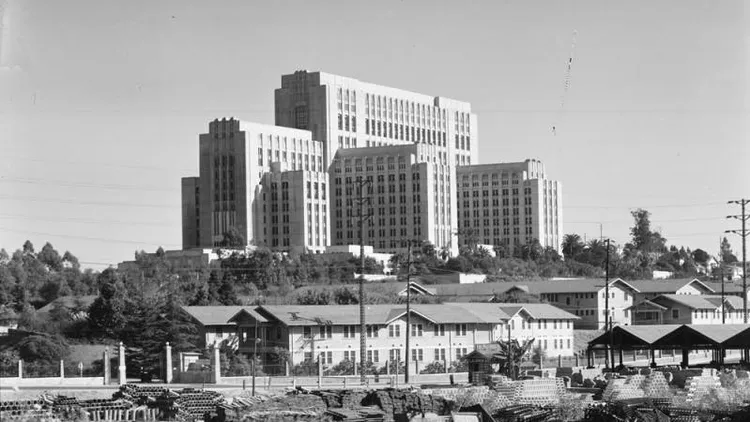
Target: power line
x=631 y=220
x=695 y=205
x=97 y=239
x=83 y=185
x=74 y=202
x=102 y=164
x=86 y=221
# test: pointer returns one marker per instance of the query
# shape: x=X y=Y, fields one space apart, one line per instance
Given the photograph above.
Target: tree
x=572 y=246
x=226 y=295
x=700 y=256
x=49 y=257
x=43 y=348
x=641 y=230
x=643 y=239
x=71 y=259
x=106 y=314
x=726 y=256
x=233 y=238
x=28 y=247
x=511 y=355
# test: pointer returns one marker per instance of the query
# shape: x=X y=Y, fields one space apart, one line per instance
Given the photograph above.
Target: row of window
x=417 y=355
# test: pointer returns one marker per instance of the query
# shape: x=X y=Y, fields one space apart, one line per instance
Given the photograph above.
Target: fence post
x=354 y=362
x=217 y=365
x=62 y=369
x=168 y=364
x=107 y=367
x=445 y=365
x=286 y=369
x=122 y=374
x=320 y=374
x=20 y=368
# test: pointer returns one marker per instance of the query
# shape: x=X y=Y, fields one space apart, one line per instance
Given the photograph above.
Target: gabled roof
x=445 y=313
x=588 y=285
x=634 y=335
x=546 y=311
x=647 y=303
x=213 y=315
x=248 y=312
x=690 y=301
x=668 y=286
x=729 y=287
x=701 y=335
x=418 y=288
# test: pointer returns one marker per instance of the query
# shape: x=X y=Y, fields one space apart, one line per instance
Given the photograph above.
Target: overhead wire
x=37 y=181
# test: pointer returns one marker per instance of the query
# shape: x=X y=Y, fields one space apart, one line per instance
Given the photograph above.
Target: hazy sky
x=101 y=102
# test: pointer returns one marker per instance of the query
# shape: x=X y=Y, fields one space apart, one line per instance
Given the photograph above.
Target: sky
x=102 y=102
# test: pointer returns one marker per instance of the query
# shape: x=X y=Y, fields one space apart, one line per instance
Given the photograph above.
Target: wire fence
x=50 y=369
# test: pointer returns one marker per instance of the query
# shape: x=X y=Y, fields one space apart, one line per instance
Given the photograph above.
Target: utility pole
x=743 y=232
x=721 y=277
x=408 y=311
x=362 y=200
x=607 y=316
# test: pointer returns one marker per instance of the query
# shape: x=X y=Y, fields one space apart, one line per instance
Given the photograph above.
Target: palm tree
x=571 y=245
x=511 y=355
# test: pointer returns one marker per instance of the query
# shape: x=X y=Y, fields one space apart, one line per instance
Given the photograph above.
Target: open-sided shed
x=686 y=337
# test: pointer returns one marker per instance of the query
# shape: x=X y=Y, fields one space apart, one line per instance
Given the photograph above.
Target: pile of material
x=698 y=386
x=33 y=409
x=358 y=414
x=194 y=404
x=540 y=391
x=653 y=385
x=401 y=403
x=525 y=413
x=297 y=407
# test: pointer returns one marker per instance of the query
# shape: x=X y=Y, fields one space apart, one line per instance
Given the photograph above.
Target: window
x=350 y=355
x=349 y=331
x=675 y=313
x=326 y=331
x=439 y=329
x=395 y=355
x=440 y=355
x=416 y=330
x=307 y=332
x=394 y=331
x=308 y=356
x=326 y=358
x=372 y=330
x=417 y=355
x=460 y=352
x=373 y=356
x=460 y=329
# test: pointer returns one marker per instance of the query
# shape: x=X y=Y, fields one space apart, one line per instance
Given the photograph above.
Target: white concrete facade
x=234 y=157
x=509 y=204
x=410 y=197
x=345 y=112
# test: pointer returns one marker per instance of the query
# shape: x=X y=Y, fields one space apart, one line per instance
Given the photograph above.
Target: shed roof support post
x=653 y=358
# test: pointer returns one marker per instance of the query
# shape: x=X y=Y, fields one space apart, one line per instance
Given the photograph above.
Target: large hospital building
x=294 y=185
